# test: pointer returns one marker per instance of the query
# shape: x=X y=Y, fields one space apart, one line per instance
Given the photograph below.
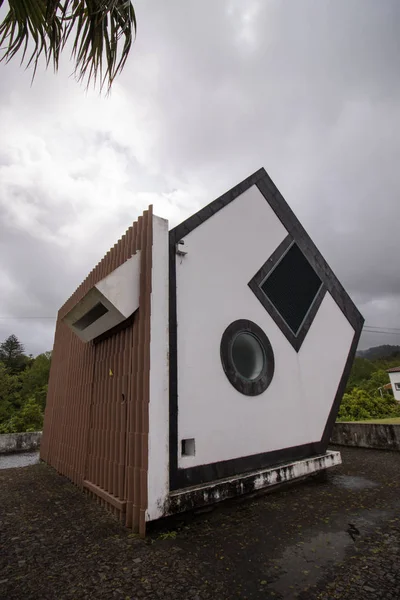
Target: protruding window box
x=108 y=303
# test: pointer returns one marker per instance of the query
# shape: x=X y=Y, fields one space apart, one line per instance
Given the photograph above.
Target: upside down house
x=199 y=363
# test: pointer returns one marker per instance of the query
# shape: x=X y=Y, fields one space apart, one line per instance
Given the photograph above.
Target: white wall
x=395 y=378
x=224 y=253
x=118 y=292
x=321 y=361
x=122 y=286
x=158 y=472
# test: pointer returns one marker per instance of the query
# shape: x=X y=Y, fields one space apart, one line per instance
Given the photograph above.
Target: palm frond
x=101 y=31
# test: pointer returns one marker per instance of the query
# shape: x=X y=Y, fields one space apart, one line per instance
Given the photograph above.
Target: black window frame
x=295 y=338
x=248 y=387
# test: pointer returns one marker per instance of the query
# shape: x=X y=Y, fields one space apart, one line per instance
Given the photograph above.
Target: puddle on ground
x=350 y=482
x=302 y=564
x=14 y=461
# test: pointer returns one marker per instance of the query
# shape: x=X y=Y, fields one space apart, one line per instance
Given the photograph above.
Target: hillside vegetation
x=378 y=352
x=23 y=387
x=363 y=399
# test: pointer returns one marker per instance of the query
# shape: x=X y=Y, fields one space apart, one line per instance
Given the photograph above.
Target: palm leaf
x=101 y=31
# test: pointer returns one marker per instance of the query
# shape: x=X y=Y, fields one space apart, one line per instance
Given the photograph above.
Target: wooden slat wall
x=90 y=431
x=108 y=431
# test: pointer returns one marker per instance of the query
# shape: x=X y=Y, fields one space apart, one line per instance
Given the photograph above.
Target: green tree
x=34 y=379
x=9 y=394
x=99 y=30
x=22 y=392
x=377 y=380
x=12 y=355
x=29 y=418
x=359 y=405
x=361 y=370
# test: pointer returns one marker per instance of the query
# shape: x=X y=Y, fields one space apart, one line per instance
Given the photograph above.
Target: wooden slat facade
x=97 y=418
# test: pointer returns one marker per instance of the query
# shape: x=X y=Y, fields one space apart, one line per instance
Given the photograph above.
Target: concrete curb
x=382 y=436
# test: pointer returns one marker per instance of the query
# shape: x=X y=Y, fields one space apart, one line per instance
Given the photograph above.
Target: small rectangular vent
x=292 y=287
x=188 y=447
x=91 y=316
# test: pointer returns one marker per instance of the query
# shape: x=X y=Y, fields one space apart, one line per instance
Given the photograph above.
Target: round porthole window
x=247 y=357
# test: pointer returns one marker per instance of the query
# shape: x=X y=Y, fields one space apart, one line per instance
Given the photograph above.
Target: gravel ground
x=337 y=538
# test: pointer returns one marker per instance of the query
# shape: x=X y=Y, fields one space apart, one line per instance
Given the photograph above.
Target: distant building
x=191 y=364
x=394 y=376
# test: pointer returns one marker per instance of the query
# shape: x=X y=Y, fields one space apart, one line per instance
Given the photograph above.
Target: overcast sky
x=211 y=92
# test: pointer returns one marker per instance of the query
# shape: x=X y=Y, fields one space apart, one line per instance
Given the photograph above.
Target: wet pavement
x=351 y=482
x=338 y=538
x=14 y=461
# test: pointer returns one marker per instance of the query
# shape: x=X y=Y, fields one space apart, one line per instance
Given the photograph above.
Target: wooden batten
x=96 y=419
x=108 y=498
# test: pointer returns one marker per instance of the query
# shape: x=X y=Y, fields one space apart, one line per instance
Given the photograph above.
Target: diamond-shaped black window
x=292 y=287
x=290 y=290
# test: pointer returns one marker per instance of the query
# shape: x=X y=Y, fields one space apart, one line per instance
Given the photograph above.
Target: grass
x=391 y=421
x=167 y=535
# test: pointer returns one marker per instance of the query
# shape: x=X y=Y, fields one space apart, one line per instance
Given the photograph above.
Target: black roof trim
x=291 y=223
x=184 y=228
x=309 y=249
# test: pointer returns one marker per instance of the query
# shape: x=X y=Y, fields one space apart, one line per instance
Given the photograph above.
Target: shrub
x=28 y=418
x=359 y=405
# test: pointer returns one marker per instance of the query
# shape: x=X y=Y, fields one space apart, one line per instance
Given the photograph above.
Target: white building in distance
x=394 y=376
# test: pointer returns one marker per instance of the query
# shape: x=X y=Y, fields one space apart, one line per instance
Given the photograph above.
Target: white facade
x=212 y=279
x=395 y=381
x=158 y=459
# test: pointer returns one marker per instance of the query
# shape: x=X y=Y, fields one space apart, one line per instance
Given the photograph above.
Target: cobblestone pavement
x=325 y=540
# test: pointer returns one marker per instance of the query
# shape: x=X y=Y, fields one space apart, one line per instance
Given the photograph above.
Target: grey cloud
x=211 y=92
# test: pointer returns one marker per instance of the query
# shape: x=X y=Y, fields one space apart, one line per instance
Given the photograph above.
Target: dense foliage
x=363 y=398
x=23 y=387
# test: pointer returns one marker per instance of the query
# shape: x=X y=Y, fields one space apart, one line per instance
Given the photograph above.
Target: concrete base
x=198 y=496
x=20 y=442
